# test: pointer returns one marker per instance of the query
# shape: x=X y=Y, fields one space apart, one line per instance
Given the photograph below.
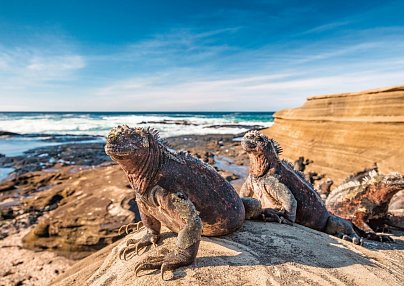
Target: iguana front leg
x=253 y=207
x=151 y=237
x=360 y=219
x=342 y=228
x=188 y=239
x=272 y=189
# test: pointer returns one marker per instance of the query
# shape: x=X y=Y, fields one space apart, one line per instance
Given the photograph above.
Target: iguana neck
x=260 y=163
x=142 y=170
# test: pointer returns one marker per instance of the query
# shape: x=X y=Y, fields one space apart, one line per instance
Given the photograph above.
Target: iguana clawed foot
x=354 y=238
x=171 y=261
x=134 y=245
x=131 y=227
x=275 y=216
x=378 y=237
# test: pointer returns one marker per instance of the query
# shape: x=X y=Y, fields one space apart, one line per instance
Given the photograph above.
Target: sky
x=253 y=55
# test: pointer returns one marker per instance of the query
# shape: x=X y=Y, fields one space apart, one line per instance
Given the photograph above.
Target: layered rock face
x=345 y=133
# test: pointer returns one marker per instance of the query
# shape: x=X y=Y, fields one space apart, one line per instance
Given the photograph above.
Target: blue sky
x=153 y=55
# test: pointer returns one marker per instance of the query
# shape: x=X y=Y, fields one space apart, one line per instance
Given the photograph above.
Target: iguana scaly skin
x=277 y=185
x=176 y=190
x=364 y=199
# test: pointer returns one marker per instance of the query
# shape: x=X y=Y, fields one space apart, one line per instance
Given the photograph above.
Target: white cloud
x=56 y=64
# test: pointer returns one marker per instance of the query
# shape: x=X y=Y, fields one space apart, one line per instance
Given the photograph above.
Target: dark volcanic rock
x=7 y=133
x=241 y=126
x=84 y=154
x=168 y=121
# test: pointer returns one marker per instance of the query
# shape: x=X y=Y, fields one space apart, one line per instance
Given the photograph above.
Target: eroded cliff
x=344 y=133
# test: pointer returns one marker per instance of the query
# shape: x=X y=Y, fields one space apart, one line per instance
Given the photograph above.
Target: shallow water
x=17 y=145
x=4 y=173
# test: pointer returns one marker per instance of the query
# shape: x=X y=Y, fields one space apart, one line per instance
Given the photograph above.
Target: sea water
x=99 y=123
x=35 y=126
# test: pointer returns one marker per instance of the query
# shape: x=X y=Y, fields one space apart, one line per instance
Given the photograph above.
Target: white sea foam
x=100 y=124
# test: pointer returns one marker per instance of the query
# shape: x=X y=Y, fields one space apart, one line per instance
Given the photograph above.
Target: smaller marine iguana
x=300 y=164
x=324 y=189
x=364 y=199
x=177 y=190
x=277 y=185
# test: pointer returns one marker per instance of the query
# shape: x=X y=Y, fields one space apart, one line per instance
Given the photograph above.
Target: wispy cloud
x=327 y=27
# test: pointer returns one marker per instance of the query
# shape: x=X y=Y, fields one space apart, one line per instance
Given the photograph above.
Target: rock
x=19 y=264
x=7 y=133
x=169 y=121
x=7 y=186
x=344 y=133
x=396 y=210
x=228 y=175
x=87 y=211
x=257 y=254
x=397 y=201
x=239 y=126
x=84 y=154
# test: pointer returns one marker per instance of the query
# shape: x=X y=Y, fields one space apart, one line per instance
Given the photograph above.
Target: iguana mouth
x=121 y=142
x=114 y=150
x=248 y=144
x=394 y=179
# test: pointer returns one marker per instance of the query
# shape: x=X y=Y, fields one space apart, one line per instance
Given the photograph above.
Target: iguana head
x=123 y=142
x=263 y=152
x=257 y=143
x=137 y=150
x=394 y=181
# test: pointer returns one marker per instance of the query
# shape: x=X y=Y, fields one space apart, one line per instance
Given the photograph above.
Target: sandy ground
x=258 y=254
x=19 y=266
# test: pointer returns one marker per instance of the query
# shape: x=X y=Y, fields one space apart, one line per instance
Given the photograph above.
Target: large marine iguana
x=276 y=184
x=365 y=199
x=177 y=190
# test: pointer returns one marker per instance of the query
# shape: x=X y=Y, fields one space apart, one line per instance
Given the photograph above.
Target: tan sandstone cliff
x=344 y=133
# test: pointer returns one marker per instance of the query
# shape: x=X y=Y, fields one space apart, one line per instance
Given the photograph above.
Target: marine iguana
x=365 y=201
x=276 y=184
x=177 y=190
x=324 y=189
x=300 y=164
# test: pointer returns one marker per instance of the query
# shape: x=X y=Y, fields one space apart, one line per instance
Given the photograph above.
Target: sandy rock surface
x=345 y=133
x=20 y=266
x=258 y=254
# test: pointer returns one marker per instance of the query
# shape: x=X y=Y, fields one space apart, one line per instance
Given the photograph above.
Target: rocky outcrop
x=257 y=254
x=86 y=211
x=344 y=133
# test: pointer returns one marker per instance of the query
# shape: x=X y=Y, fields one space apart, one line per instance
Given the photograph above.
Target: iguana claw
x=173 y=260
x=355 y=239
x=275 y=216
x=134 y=245
x=379 y=237
x=138 y=226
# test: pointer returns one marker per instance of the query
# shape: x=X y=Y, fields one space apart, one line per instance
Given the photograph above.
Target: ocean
x=99 y=123
x=36 y=125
